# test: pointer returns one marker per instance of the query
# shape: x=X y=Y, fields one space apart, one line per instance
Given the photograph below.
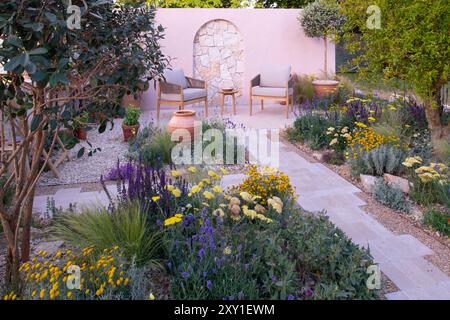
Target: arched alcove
x=219 y=56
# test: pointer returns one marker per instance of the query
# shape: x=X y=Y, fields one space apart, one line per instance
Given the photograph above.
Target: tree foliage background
x=116 y=50
x=412 y=45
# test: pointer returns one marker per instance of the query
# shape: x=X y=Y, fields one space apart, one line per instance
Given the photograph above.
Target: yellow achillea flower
x=213 y=175
x=411 y=161
x=192 y=169
x=196 y=189
x=173 y=220
x=176 y=192
x=156 y=198
x=217 y=189
x=208 y=195
x=175 y=173
x=227 y=250
x=151 y=297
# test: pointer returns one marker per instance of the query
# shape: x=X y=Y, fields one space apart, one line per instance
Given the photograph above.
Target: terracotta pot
x=129 y=132
x=183 y=119
x=324 y=87
x=80 y=133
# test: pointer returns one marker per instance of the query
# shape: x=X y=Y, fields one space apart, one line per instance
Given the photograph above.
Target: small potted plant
x=130 y=124
x=79 y=125
x=320 y=19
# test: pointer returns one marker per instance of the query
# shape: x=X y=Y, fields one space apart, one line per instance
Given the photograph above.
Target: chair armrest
x=169 y=88
x=195 y=83
x=255 y=81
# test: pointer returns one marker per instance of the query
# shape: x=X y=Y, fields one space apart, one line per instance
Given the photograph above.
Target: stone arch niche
x=219 y=56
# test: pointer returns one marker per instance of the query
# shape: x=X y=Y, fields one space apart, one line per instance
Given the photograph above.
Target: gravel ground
x=89 y=169
x=396 y=222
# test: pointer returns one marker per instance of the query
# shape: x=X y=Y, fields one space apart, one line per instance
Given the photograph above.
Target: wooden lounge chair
x=274 y=83
x=179 y=90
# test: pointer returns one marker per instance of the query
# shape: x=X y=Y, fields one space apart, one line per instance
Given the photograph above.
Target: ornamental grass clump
x=125 y=226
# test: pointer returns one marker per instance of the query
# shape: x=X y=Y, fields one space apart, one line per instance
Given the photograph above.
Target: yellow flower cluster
x=365 y=139
x=433 y=172
x=412 y=161
x=266 y=183
x=276 y=204
x=47 y=276
x=173 y=220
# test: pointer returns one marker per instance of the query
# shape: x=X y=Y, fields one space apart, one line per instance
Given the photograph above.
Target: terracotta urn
x=182 y=119
x=129 y=132
x=324 y=87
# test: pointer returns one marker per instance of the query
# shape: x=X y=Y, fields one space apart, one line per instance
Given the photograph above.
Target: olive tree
x=114 y=50
x=407 y=40
x=321 y=19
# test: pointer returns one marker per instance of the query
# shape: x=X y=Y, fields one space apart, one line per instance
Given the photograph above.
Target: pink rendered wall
x=271 y=36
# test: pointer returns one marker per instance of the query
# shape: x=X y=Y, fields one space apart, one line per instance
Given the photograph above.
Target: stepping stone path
x=400 y=257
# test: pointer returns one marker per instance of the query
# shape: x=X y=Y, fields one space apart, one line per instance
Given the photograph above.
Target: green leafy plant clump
x=384 y=159
x=132 y=115
x=310 y=129
x=438 y=220
x=391 y=196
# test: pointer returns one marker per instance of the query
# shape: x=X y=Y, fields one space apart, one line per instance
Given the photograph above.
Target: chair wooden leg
x=206 y=106
x=234 y=104
x=262 y=104
x=287 y=108
x=292 y=105
x=250 y=105
x=158 y=107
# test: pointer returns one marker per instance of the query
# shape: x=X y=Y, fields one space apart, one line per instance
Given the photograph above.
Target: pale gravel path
x=90 y=168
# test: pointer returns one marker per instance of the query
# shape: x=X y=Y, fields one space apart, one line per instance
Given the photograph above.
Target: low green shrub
x=152 y=146
x=310 y=128
x=125 y=227
x=384 y=159
x=438 y=220
x=391 y=196
x=325 y=255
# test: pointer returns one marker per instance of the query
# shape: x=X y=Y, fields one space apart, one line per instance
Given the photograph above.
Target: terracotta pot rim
x=134 y=126
x=184 y=113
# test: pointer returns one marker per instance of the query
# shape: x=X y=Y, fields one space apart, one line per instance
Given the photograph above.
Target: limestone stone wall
x=219 y=56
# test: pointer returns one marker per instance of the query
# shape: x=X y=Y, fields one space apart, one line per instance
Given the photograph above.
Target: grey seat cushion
x=188 y=93
x=275 y=76
x=176 y=76
x=270 y=91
